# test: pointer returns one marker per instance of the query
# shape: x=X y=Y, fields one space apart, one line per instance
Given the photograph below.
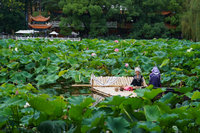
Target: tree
x=91 y=16
x=191 y=21
x=83 y=15
x=50 y=5
x=12 y=15
x=150 y=17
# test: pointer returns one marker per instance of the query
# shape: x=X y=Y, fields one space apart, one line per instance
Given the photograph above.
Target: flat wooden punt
x=110 y=91
x=88 y=85
x=100 y=88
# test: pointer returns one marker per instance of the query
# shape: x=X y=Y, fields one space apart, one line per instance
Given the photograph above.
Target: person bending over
x=155 y=77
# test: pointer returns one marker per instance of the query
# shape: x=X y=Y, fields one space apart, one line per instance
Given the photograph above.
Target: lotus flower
x=9 y=47
x=116 y=50
x=93 y=54
x=26 y=105
x=126 y=65
x=48 y=58
x=87 y=48
x=189 y=50
x=16 y=49
x=116 y=41
x=17 y=92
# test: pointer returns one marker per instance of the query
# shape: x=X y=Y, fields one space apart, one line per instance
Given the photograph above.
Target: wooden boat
x=109 y=86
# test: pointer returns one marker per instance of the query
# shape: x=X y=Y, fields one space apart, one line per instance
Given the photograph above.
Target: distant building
x=40 y=23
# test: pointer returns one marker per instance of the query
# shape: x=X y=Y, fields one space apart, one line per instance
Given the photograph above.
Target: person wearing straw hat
x=138 y=79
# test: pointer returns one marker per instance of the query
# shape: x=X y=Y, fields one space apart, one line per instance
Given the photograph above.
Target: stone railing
x=50 y=38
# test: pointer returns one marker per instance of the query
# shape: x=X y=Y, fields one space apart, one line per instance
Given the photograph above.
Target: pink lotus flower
x=48 y=58
x=93 y=54
x=9 y=47
x=116 y=41
x=17 y=92
x=87 y=48
x=116 y=50
x=126 y=65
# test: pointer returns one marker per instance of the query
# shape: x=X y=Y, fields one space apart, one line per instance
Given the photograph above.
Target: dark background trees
x=90 y=16
x=12 y=15
x=191 y=20
x=144 y=18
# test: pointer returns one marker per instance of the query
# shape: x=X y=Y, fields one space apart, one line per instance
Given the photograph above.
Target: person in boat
x=155 y=77
x=138 y=79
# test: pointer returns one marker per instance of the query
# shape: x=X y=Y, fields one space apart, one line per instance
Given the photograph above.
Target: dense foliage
x=30 y=67
x=191 y=20
x=26 y=109
x=12 y=15
x=91 y=17
x=44 y=62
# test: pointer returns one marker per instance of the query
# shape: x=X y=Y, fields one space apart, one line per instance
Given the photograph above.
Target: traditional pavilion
x=39 y=23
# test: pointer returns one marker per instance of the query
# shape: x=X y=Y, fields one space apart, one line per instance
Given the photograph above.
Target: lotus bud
x=126 y=65
x=93 y=54
x=17 y=92
x=116 y=41
x=116 y=50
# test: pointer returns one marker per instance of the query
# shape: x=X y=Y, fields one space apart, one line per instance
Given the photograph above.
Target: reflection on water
x=73 y=91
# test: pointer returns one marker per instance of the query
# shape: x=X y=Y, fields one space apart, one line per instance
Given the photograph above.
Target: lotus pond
x=32 y=71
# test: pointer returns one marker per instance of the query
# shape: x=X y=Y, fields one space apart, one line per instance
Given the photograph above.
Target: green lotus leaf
x=196 y=95
x=114 y=101
x=117 y=125
x=94 y=121
x=13 y=64
x=164 y=63
x=25 y=60
x=13 y=101
x=30 y=66
x=52 y=69
x=152 y=113
x=149 y=126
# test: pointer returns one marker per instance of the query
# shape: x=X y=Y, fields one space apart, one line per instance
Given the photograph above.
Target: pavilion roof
x=39 y=18
x=166 y=12
x=40 y=26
